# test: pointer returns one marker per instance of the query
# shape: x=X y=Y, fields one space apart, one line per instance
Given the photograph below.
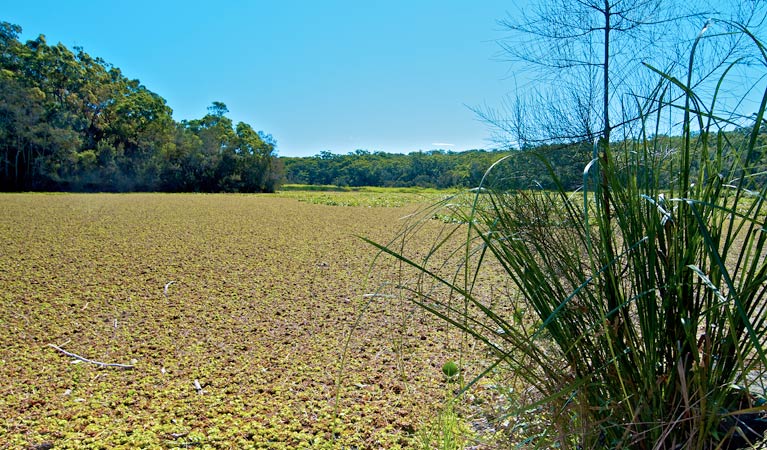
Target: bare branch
x=587 y=56
x=98 y=363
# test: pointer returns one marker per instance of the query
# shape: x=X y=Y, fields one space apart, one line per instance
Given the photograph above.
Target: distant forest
x=442 y=169
x=72 y=122
x=541 y=167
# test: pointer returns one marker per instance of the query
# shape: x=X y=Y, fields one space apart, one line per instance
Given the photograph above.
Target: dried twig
x=98 y=363
x=167 y=285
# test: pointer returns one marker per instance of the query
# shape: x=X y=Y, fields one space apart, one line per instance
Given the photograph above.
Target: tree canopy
x=73 y=122
x=440 y=168
x=69 y=121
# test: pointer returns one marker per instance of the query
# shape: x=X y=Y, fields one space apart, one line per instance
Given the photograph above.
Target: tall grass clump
x=633 y=310
x=446 y=431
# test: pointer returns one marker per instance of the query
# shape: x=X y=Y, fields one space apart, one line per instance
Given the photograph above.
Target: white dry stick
x=98 y=363
x=167 y=285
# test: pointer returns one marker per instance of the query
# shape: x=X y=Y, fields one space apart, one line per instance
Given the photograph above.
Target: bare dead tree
x=576 y=61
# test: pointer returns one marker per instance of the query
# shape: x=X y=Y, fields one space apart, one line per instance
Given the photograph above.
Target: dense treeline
x=69 y=121
x=72 y=122
x=540 y=167
x=439 y=168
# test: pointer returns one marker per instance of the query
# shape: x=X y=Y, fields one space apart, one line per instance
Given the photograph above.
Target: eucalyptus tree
x=70 y=121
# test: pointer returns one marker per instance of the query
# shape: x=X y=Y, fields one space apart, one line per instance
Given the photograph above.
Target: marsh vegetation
x=251 y=296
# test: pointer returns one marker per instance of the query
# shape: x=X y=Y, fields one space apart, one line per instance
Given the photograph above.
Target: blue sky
x=395 y=76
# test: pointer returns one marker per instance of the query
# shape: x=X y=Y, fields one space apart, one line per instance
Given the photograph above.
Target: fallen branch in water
x=98 y=363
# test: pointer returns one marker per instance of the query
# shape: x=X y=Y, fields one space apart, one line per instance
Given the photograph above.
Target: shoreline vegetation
x=74 y=123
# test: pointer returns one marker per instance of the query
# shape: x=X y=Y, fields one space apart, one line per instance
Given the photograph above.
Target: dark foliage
x=71 y=122
x=437 y=168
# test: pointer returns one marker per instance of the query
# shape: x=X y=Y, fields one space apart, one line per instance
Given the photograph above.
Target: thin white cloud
x=442 y=144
